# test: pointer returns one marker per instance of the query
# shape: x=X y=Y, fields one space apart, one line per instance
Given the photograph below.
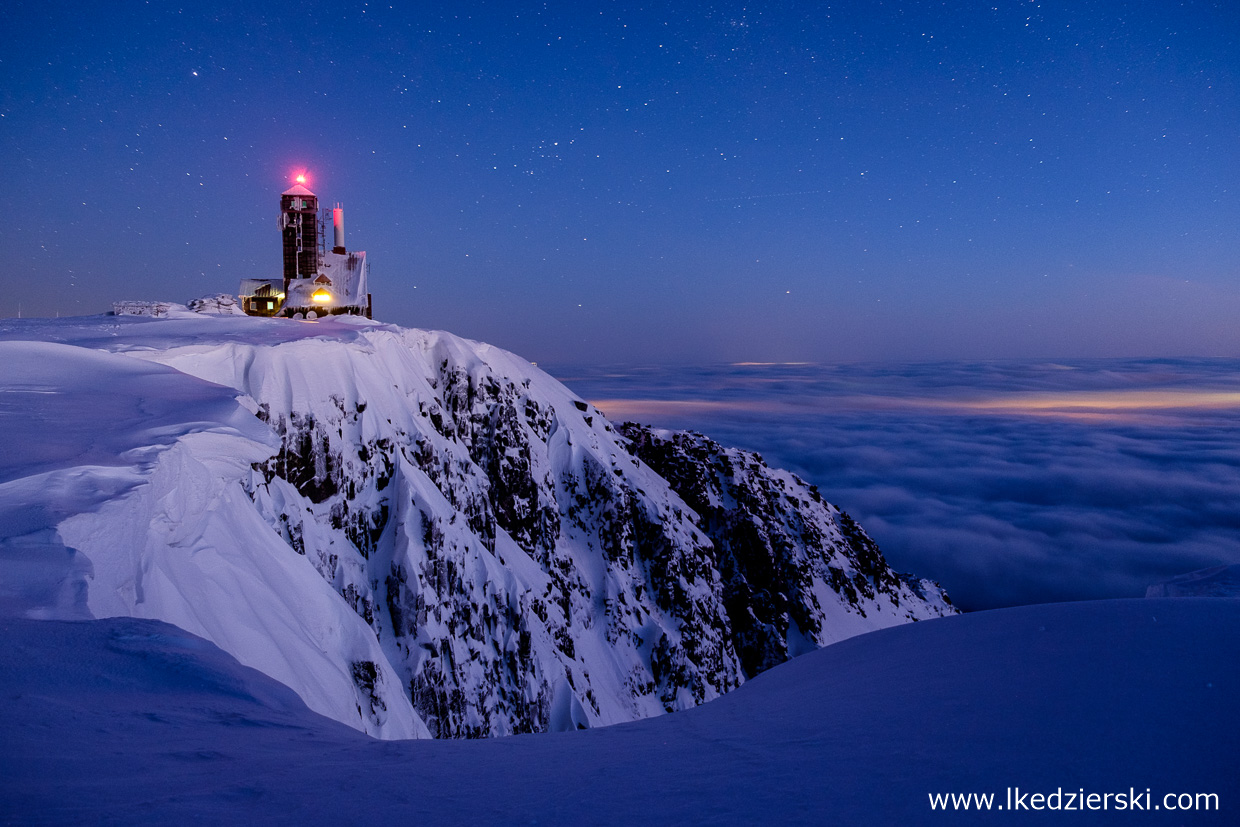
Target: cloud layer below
x=1010 y=483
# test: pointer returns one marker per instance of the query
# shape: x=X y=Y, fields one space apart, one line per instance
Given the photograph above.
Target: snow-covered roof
x=346 y=274
x=256 y=287
x=298 y=189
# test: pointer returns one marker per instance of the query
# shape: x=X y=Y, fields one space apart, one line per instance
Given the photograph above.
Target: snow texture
x=135 y=722
x=417 y=533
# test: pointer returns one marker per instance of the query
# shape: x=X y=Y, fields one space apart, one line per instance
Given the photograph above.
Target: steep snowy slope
x=120 y=495
x=134 y=722
x=511 y=560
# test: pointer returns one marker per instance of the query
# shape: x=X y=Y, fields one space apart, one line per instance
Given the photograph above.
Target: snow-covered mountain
x=418 y=533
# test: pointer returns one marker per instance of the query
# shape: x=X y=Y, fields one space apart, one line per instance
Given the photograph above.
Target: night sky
x=669 y=183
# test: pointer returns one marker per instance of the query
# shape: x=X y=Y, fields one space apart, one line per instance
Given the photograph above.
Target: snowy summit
x=420 y=535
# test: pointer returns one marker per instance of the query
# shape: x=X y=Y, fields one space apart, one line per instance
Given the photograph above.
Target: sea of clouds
x=1009 y=483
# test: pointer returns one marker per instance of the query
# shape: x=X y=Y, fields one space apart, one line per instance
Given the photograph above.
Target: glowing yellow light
x=321 y=296
x=301 y=178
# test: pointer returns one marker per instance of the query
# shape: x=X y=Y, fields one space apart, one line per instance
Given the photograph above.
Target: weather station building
x=317 y=282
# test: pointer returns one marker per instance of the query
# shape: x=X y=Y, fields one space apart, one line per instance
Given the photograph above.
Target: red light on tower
x=301 y=178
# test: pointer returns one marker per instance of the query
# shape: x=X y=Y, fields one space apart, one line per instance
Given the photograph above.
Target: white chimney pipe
x=338 y=224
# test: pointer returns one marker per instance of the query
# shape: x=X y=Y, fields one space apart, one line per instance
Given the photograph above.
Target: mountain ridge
x=488 y=554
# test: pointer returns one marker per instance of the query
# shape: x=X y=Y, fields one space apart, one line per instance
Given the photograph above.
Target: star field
x=684 y=182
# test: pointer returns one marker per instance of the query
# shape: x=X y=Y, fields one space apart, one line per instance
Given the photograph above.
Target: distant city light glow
x=1144 y=406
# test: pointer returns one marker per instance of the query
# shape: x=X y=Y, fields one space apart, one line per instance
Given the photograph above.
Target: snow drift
x=126 y=721
x=417 y=533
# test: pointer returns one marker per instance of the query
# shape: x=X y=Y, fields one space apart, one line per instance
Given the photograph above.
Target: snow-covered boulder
x=155 y=309
x=219 y=304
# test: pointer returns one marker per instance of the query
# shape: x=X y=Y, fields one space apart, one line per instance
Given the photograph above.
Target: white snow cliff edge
x=419 y=534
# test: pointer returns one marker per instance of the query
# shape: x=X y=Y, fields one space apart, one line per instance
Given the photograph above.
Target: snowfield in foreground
x=419 y=534
x=127 y=721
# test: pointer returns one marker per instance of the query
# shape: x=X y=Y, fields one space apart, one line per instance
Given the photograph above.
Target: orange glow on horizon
x=1151 y=406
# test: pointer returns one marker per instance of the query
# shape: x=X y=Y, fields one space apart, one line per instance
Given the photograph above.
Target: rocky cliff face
x=521 y=563
x=790 y=562
x=524 y=565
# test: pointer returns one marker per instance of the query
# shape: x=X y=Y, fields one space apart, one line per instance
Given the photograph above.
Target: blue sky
x=680 y=183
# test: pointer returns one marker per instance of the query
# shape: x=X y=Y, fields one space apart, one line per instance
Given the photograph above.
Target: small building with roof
x=316 y=282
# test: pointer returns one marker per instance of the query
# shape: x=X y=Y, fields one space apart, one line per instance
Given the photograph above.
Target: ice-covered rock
x=797 y=572
x=155 y=309
x=219 y=304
